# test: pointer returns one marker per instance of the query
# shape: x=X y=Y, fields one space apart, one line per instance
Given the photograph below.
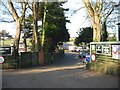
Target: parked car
x=65 y=46
x=72 y=48
x=79 y=49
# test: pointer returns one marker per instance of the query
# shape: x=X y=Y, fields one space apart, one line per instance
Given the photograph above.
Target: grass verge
x=111 y=68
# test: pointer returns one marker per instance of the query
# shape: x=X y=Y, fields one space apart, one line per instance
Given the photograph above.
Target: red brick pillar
x=40 y=58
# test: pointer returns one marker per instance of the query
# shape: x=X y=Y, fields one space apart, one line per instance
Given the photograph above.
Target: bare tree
x=23 y=25
x=107 y=8
x=99 y=12
x=93 y=12
x=18 y=19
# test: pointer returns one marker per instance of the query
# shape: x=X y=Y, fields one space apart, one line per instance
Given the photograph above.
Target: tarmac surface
x=66 y=73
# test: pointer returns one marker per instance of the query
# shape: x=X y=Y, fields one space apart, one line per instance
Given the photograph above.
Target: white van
x=72 y=48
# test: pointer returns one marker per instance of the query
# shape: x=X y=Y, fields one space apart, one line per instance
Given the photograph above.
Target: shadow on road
x=67 y=73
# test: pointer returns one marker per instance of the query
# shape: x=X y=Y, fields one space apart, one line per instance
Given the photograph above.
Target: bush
x=88 y=65
x=9 y=63
x=106 y=67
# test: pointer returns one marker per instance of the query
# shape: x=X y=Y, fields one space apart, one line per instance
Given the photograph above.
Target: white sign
x=98 y=49
x=106 y=50
x=93 y=57
x=1 y=59
x=93 y=47
x=116 y=51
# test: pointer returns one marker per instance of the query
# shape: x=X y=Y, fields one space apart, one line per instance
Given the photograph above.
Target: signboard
x=6 y=50
x=93 y=47
x=116 y=51
x=98 y=49
x=93 y=57
x=1 y=59
x=106 y=49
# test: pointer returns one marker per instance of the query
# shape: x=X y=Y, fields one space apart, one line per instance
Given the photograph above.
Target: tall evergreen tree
x=84 y=35
x=55 y=26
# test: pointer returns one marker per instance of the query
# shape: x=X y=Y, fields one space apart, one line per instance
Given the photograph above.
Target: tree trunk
x=96 y=28
x=104 y=32
x=35 y=29
x=23 y=27
x=36 y=39
x=35 y=35
x=93 y=12
x=43 y=28
x=96 y=33
x=17 y=37
x=18 y=23
x=18 y=27
x=25 y=42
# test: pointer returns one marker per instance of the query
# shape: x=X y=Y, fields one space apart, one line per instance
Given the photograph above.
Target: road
x=66 y=73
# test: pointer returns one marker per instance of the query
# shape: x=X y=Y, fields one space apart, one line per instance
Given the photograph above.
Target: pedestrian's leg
x=84 y=63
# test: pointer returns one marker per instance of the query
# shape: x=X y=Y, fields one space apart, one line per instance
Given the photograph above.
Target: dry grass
x=106 y=67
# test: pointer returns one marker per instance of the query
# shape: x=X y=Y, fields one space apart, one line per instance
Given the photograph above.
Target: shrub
x=106 y=67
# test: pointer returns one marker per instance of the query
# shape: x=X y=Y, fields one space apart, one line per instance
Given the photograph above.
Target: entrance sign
x=5 y=50
x=93 y=57
x=105 y=49
x=116 y=51
x=1 y=59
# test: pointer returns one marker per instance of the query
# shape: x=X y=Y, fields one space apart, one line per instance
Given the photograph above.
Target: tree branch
x=30 y=7
x=14 y=13
x=97 y=7
x=7 y=21
x=77 y=10
x=89 y=7
x=6 y=8
x=24 y=4
x=109 y=12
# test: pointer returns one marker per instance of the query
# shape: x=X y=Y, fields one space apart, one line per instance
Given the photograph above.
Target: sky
x=78 y=19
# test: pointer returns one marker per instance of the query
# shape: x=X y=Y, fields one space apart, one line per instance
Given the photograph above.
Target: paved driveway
x=67 y=73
